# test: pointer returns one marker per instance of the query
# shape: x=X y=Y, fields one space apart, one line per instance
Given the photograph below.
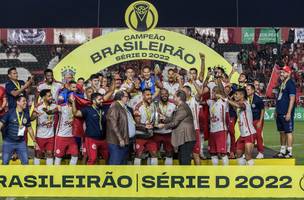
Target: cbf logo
x=141 y=16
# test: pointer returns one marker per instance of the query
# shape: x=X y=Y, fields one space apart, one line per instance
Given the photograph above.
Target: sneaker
x=279 y=155
x=288 y=154
x=260 y=155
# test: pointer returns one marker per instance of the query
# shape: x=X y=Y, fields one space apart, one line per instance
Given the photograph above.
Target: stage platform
x=268 y=160
x=265 y=161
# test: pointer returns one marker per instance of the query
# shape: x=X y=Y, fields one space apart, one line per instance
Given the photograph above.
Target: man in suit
x=183 y=134
x=120 y=129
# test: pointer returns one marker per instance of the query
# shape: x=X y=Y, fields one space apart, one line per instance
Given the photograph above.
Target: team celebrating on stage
x=149 y=116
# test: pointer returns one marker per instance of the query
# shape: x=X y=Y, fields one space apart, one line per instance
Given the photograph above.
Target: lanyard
x=20 y=119
x=99 y=114
x=163 y=109
x=213 y=107
x=17 y=84
x=282 y=87
x=148 y=113
x=250 y=100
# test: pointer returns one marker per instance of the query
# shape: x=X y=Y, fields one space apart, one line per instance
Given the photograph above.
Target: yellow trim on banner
x=152 y=181
x=126 y=45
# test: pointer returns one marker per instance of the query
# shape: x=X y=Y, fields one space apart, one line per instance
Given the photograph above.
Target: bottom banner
x=152 y=181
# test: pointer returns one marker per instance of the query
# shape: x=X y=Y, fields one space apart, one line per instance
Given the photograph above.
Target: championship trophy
x=141 y=10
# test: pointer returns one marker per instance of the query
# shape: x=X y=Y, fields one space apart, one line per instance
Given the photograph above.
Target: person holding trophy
x=162 y=136
x=145 y=115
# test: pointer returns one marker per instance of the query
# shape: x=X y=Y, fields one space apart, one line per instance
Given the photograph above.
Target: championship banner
x=152 y=181
x=140 y=41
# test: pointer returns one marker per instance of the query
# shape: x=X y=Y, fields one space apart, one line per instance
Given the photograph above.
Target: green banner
x=267 y=35
x=299 y=114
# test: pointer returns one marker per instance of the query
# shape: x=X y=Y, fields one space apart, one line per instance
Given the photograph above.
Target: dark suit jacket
x=182 y=124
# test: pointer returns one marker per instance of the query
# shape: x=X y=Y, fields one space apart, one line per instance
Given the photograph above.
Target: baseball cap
x=287 y=69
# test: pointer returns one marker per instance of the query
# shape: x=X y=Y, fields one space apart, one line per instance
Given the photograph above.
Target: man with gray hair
x=120 y=129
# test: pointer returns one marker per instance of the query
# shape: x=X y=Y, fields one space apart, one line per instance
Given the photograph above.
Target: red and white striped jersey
x=45 y=122
x=194 y=106
x=245 y=119
x=64 y=127
x=218 y=112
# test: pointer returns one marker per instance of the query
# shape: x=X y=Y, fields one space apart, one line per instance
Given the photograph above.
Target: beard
x=164 y=100
x=99 y=105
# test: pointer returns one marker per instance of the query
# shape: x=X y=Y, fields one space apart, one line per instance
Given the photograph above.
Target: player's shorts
x=143 y=145
x=65 y=146
x=283 y=125
x=204 y=121
x=217 y=142
x=164 y=139
x=231 y=125
x=45 y=144
x=240 y=143
x=197 y=145
x=94 y=148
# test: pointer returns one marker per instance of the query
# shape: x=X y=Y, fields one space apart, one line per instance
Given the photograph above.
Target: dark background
x=172 y=13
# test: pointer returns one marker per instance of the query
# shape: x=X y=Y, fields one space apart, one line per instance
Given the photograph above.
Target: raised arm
x=110 y=93
x=23 y=88
x=219 y=83
x=202 y=72
x=76 y=113
x=233 y=103
x=231 y=73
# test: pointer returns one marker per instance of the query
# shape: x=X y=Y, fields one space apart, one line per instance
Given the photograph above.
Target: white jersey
x=135 y=100
x=55 y=88
x=127 y=85
x=194 y=106
x=147 y=113
x=167 y=111
x=172 y=88
x=102 y=91
x=218 y=110
x=64 y=128
x=45 y=122
x=211 y=85
x=245 y=119
x=193 y=89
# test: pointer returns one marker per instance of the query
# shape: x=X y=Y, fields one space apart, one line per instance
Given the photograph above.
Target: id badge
x=21 y=131
x=280 y=96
